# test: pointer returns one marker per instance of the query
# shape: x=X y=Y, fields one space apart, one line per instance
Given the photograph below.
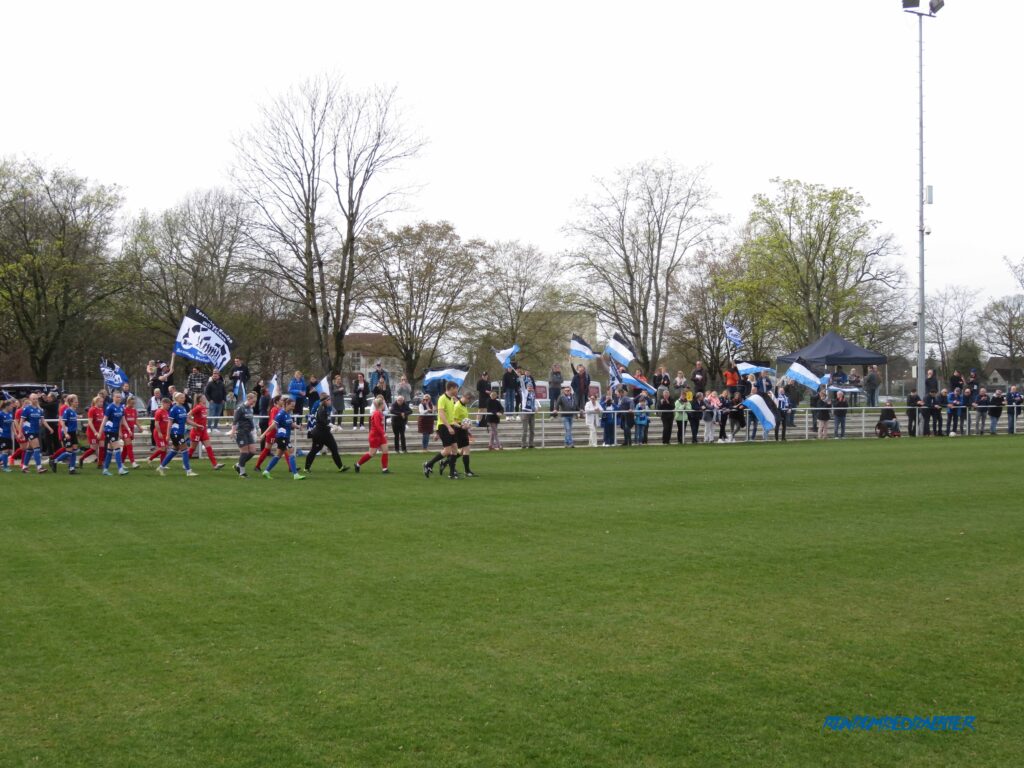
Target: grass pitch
x=694 y=605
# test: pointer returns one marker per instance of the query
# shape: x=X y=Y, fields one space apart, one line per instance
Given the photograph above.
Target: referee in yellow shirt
x=445 y=431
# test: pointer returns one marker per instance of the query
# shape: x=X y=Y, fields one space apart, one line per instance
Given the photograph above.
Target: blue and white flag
x=803 y=375
x=746 y=368
x=757 y=405
x=323 y=386
x=505 y=355
x=848 y=390
x=202 y=340
x=579 y=348
x=732 y=334
x=273 y=388
x=635 y=382
x=620 y=349
x=113 y=375
x=826 y=379
x=614 y=379
x=449 y=373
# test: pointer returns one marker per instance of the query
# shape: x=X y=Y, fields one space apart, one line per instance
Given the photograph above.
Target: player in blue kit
x=180 y=423
x=112 y=418
x=69 y=436
x=284 y=422
x=30 y=426
x=6 y=433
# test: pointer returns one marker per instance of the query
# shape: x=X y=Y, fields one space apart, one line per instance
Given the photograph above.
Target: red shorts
x=159 y=442
x=91 y=436
x=199 y=436
x=377 y=442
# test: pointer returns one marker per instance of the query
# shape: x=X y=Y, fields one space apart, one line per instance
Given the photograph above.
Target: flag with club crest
x=732 y=334
x=113 y=375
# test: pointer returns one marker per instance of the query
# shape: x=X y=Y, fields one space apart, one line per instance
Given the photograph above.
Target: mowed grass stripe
x=646 y=607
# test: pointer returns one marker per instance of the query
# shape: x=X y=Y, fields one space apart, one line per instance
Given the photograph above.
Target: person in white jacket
x=592 y=411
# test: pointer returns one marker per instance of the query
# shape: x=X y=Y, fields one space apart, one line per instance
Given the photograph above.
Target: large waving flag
x=505 y=355
x=273 y=388
x=635 y=382
x=323 y=386
x=202 y=340
x=732 y=334
x=801 y=374
x=448 y=373
x=757 y=405
x=747 y=368
x=113 y=375
x=620 y=349
x=579 y=348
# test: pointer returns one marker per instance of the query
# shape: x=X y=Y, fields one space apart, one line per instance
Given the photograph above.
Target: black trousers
x=322 y=438
x=399 y=430
x=666 y=431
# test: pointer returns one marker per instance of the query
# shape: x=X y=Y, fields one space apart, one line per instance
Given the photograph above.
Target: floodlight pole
x=920 y=199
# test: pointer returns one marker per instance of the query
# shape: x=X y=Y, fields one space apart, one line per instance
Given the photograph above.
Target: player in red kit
x=129 y=425
x=268 y=443
x=161 y=430
x=200 y=435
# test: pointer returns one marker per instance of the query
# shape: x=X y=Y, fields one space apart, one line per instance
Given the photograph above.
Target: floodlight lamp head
x=935 y=6
x=909 y=4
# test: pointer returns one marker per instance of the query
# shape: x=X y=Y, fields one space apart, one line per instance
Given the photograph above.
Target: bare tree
x=1002 y=324
x=417 y=280
x=197 y=252
x=310 y=169
x=636 y=235
x=947 y=315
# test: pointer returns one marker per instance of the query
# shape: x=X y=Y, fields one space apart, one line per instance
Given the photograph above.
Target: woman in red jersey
x=268 y=442
x=199 y=434
x=378 y=436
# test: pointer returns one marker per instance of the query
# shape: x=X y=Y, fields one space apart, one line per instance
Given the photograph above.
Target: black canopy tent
x=833 y=349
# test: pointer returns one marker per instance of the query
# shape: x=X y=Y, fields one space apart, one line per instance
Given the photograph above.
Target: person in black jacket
x=400 y=412
x=321 y=435
x=493 y=418
x=216 y=393
x=913 y=411
x=666 y=410
x=509 y=384
x=888 y=425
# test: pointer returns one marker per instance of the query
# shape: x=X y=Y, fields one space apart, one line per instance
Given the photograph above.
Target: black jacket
x=216 y=391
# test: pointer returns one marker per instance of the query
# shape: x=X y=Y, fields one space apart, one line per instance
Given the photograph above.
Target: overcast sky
x=524 y=104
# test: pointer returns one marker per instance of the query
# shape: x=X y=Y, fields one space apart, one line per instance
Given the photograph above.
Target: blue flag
x=732 y=334
x=635 y=382
x=113 y=375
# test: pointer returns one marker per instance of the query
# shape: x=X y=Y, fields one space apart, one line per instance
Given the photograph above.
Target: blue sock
x=185 y=461
x=3 y=459
x=37 y=455
x=273 y=463
x=117 y=458
x=106 y=460
x=291 y=465
x=167 y=458
x=73 y=459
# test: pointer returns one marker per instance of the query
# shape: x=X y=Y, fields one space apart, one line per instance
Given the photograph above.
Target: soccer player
x=114 y=415
x=68 y=436
x=161 y=430
x=30 y=424
x=463 y=424
x=320 y=433
x=243 y=427
x=270 y=432
x=179 y=419
x=93 y=431
x=129 y=426
x=378 y=437
x=200 y=435
x=20 y=441
x=282 y=427
x=6 y=433
x=445 y=432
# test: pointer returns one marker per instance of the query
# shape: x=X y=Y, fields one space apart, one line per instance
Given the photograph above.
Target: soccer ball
x=467 y=423
x=952 y=434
